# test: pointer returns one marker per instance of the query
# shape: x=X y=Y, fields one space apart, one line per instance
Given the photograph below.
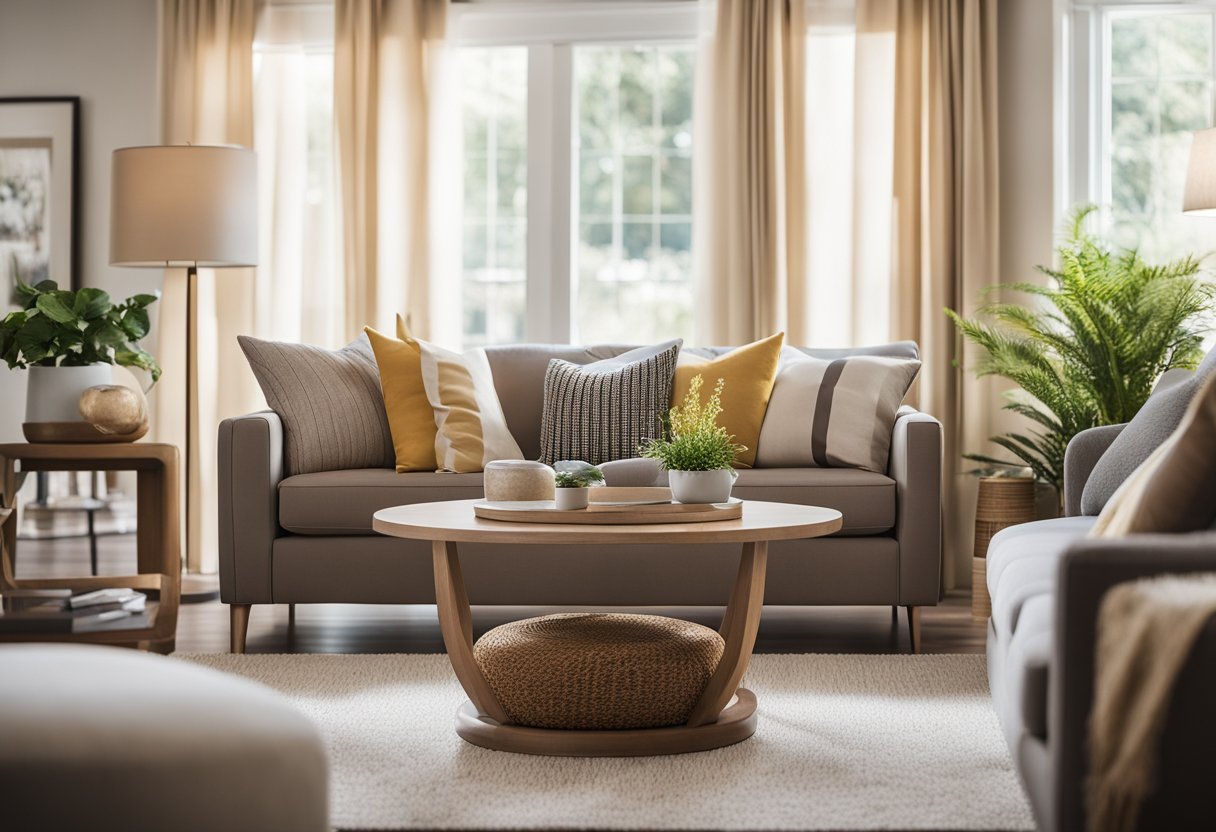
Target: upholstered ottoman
x=583 y=671
x=105 y=738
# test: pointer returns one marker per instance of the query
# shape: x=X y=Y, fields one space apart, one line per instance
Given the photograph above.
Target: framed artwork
x=39 y=193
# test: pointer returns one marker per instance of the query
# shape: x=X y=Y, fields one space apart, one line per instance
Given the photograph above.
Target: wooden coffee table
x=725 y=714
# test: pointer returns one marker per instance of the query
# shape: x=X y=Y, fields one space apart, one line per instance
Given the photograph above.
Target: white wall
x=105 y=52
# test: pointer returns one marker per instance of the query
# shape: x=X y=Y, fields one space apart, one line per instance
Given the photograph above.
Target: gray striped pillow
x=834 y=413
x=330 y=403
x=605 y=410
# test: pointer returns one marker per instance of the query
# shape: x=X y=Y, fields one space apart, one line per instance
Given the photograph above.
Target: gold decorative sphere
x=112 y=408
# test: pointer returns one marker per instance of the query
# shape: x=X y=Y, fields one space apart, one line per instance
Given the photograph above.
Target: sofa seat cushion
x=1022 y=563
x=343 y=502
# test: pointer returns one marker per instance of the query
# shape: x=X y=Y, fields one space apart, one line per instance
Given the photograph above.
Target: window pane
x=494 y=257
x=1160 y=90
x=633 y=263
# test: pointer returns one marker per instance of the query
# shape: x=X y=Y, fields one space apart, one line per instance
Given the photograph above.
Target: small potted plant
x=68 y=341
x=697 y=453
x=572 y=480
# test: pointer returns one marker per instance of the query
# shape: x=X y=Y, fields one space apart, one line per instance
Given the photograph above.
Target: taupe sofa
x=308 y=538
x=1047 y=581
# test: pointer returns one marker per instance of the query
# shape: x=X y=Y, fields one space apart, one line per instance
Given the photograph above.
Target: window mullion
x=550 y=112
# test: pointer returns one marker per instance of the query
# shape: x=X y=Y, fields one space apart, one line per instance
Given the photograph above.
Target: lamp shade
x=184 y=205
x=1200 y=197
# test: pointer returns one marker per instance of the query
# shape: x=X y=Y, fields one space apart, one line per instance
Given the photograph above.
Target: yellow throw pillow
x=410 y=417
x=750 y=372
x=1171 y=491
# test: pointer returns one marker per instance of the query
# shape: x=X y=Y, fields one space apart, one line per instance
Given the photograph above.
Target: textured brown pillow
x=1174 y=490
x=330 y=403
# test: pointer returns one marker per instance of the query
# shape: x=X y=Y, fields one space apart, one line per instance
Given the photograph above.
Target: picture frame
x=39 y=192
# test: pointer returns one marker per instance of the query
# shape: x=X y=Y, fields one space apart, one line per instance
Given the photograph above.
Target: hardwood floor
x=362 y=628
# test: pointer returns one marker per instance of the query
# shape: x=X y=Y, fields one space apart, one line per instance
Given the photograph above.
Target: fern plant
x=1088 y=352
x=692 y=438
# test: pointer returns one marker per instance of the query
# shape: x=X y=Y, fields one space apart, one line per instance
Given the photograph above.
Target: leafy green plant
x=1088 y=352
x=575 y=474
x=692 y=438
x=57 y=327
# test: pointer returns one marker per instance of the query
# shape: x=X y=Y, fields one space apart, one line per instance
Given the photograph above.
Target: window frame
x=550 y=31
x=1083 y=131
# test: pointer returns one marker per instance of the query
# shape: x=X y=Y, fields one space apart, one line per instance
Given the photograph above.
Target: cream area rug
x=844 y=742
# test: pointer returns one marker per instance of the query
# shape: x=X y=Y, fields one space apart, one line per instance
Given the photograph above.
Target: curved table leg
x=456 y=624
x=739 y=626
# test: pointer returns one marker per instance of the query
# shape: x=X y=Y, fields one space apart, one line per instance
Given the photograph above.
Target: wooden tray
x=76 y=433
x=543 y=511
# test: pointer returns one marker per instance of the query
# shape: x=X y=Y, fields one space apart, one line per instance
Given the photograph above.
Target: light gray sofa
x=308 y=539
x=1047 y=581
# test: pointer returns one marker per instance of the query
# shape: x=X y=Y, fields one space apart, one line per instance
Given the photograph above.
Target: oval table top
x=454 y=521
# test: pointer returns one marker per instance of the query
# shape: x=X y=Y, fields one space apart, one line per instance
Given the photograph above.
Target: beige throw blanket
x=1145 y=632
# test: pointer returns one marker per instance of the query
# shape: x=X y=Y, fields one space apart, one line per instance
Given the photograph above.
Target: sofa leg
x=914 y=627
x=291 y=616
x=238 y=623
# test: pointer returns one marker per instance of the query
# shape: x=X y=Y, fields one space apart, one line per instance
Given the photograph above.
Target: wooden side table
x=158 y=541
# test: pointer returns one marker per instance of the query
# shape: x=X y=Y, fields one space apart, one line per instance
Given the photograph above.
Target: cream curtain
x=947 y=224
x=750 y=147
x=384 y=62
x=206 y=71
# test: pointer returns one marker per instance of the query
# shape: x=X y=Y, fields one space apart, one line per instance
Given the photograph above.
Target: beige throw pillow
x=834 y=413
x=1174 y=490
x=470 y=427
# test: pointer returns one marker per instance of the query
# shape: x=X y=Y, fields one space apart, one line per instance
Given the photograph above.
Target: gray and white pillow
x=604 y=411
x=330 y=403
x=1159 y=418
x=834 y=413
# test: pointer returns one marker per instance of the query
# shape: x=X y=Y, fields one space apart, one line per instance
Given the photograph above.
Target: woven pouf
x=598 y=670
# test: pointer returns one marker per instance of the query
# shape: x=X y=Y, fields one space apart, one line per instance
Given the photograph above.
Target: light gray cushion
x=606 y=410
x=108 y=738
x=343 y=502
x=834 y=412
x=330 y=403
x=1159 y=417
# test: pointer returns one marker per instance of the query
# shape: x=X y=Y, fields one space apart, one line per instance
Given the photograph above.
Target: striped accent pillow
x=330 y=403
x=470 y=429
x=834 y=413
x=605 y=410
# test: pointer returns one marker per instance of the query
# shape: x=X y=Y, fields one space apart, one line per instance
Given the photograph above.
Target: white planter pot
x=53 y=394
x=570 y=499
x=702 y=486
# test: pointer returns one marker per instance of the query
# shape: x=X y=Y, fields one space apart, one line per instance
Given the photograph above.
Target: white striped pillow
x=470 y=429
x=834 y=413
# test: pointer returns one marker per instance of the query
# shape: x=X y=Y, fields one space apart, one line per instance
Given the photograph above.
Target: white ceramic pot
x=702 y=486
x=570 y=499
x=53 y=394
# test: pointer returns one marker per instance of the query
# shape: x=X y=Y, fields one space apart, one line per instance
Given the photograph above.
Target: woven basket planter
x=1002 y=502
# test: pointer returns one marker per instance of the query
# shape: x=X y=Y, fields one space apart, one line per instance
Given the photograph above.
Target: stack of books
x=61 y=611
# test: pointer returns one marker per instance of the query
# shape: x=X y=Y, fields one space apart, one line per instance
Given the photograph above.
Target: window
x=634 y=257
x=494 y=257
x=576 y=172
x=1153 y=78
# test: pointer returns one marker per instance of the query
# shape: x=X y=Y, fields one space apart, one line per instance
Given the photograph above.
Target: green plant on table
x=1103 y=330
x=692 y=439
x=58 y=327
x=575 y=474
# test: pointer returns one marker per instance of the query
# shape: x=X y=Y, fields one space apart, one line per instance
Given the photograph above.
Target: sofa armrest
x=916 y=466
x=1087 y=571
x=1080 y=457
x=250 y=468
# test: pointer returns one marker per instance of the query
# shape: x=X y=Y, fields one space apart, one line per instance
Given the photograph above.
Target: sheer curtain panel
x=206 y=70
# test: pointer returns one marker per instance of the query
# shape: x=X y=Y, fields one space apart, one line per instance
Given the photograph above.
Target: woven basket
x=1002 y=502
x=598 y=670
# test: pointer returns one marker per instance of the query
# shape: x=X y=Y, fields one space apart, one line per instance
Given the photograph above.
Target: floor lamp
x=1200 y=194
x=184 y=206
